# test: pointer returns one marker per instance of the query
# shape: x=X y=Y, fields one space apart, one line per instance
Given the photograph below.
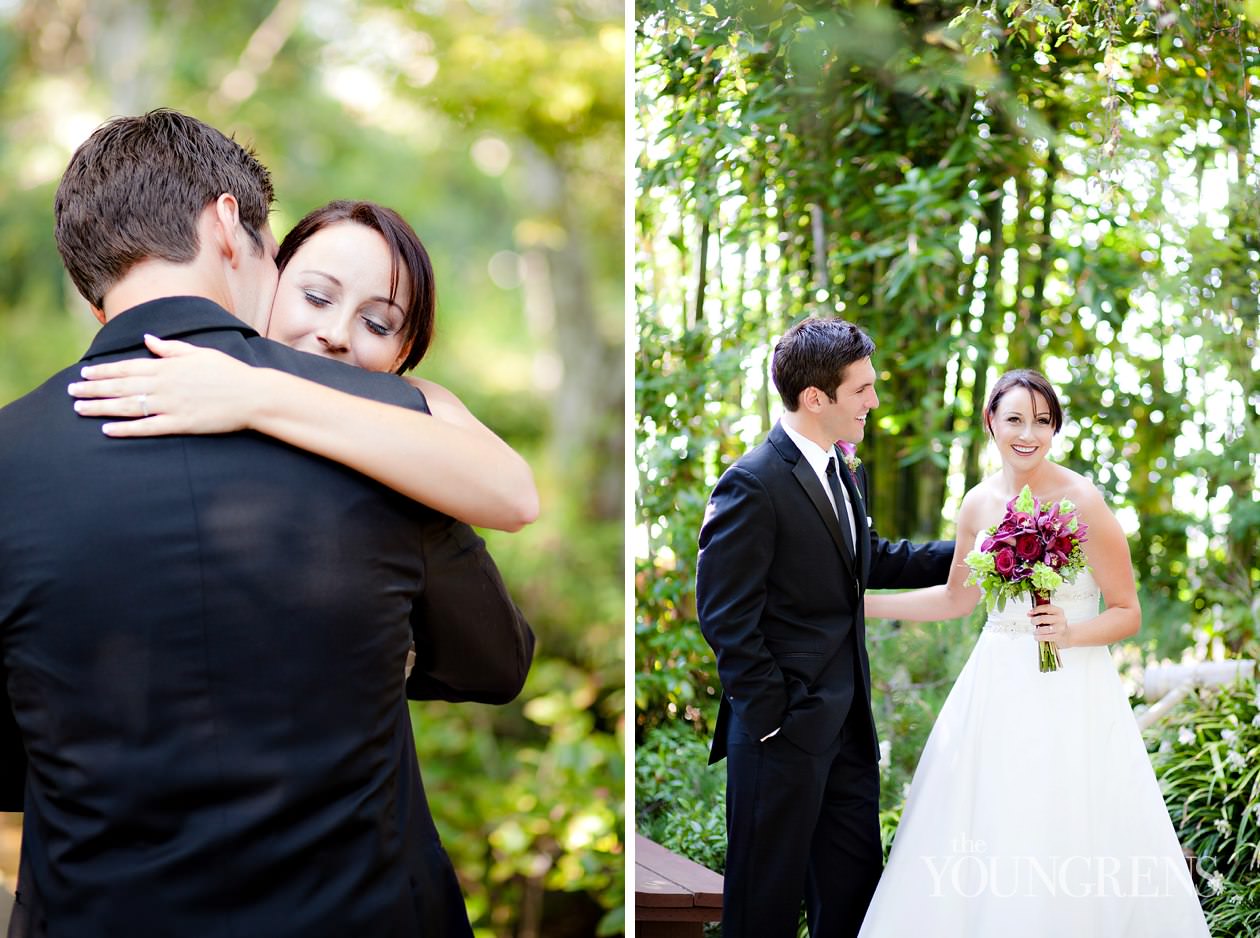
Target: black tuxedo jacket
x=201 y=641
x=779 y=595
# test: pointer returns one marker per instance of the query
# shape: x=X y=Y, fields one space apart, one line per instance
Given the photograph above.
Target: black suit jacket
x=201 y=641
x=779 y=595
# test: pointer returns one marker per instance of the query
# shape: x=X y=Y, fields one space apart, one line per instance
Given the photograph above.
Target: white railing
x=1168 y=684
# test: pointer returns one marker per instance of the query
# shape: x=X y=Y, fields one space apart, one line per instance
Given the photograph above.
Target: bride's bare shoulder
x=981 y=502
x=1088 y=499
x=1080 y=489
x=974 y=496
x=987 y=491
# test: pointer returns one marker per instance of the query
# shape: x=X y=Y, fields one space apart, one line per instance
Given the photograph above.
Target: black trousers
x=801 y=826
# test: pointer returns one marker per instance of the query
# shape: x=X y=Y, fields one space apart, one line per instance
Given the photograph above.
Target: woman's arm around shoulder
x=448 y=460
x=954 y=598
x=503 y=471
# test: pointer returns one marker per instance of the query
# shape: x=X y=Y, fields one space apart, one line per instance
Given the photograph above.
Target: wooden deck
x=673 y=896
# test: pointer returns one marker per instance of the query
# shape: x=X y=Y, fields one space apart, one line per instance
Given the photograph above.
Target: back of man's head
x=136 y=188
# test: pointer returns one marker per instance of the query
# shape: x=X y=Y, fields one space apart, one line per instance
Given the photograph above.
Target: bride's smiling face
x=1022 y=426
x=333 y=299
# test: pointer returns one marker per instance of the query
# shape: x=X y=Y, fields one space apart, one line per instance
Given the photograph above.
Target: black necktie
x=837 y=493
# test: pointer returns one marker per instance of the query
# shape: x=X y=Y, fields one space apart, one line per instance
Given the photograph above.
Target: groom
x=786 y=552
x=202 y=638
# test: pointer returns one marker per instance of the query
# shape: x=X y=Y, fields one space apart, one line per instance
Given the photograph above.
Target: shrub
x=1207 y=757
x=680 y=800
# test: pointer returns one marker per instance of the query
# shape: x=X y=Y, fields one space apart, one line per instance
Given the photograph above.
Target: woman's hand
x=1051 y=623
x=186 y=389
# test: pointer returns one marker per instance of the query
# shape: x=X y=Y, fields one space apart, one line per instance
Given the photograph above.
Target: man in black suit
x=786 y=552
x=202 y=638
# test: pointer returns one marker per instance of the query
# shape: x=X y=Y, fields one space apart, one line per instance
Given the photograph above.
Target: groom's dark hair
x=815 y=353
x=135 y=190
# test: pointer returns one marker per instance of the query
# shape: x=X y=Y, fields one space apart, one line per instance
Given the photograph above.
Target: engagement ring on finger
x=144 y=404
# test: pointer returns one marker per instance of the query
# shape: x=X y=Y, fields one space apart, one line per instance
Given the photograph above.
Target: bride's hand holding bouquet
x=1032 y=551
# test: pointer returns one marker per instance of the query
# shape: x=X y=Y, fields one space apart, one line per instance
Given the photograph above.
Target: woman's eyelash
x=319 y=302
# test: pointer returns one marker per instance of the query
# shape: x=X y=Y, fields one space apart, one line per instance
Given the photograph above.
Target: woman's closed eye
x=319 y=301
x=376 y=327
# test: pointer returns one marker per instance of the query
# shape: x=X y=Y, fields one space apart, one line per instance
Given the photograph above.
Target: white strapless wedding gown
x=1034 y=811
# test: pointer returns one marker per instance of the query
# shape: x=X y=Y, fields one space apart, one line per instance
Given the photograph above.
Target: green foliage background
x=1208 y=759
x=497 y=128
x=1071 y=186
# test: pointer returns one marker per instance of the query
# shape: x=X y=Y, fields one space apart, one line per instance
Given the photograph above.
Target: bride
x=1034 y=810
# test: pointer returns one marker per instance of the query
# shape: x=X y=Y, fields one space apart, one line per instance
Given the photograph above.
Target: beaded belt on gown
x=1079 y=601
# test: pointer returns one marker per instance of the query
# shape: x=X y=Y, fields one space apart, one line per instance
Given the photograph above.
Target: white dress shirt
x=818 y=458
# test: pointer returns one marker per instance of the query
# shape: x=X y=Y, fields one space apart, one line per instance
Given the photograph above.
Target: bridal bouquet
x=1032 y=551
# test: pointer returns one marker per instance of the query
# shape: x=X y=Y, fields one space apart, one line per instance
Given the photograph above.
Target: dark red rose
x=1028 y=547
x=1004 y=562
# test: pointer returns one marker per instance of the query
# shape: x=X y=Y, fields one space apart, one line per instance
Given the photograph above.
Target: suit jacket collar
x=783 y=443
x=808 y=479
x=171 y=317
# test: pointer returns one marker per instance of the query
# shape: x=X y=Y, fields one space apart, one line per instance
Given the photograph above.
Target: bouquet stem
x=1047 y=652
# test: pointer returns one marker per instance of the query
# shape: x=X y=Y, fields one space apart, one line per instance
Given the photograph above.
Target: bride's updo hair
x=406 y=253
x=1032 y=381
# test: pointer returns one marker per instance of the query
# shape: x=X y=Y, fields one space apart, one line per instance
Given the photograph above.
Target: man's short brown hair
x=815 y=353
x=136 y=188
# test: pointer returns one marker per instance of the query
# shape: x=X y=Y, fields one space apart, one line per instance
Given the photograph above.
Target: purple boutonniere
x=849 y=455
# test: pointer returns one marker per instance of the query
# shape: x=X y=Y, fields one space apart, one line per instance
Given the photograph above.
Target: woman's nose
x=334 y=334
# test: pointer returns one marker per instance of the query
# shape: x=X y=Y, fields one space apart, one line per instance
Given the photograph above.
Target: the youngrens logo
x=970 y=871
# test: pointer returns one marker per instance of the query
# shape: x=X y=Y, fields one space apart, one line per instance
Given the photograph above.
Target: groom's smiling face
x=845 y=417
